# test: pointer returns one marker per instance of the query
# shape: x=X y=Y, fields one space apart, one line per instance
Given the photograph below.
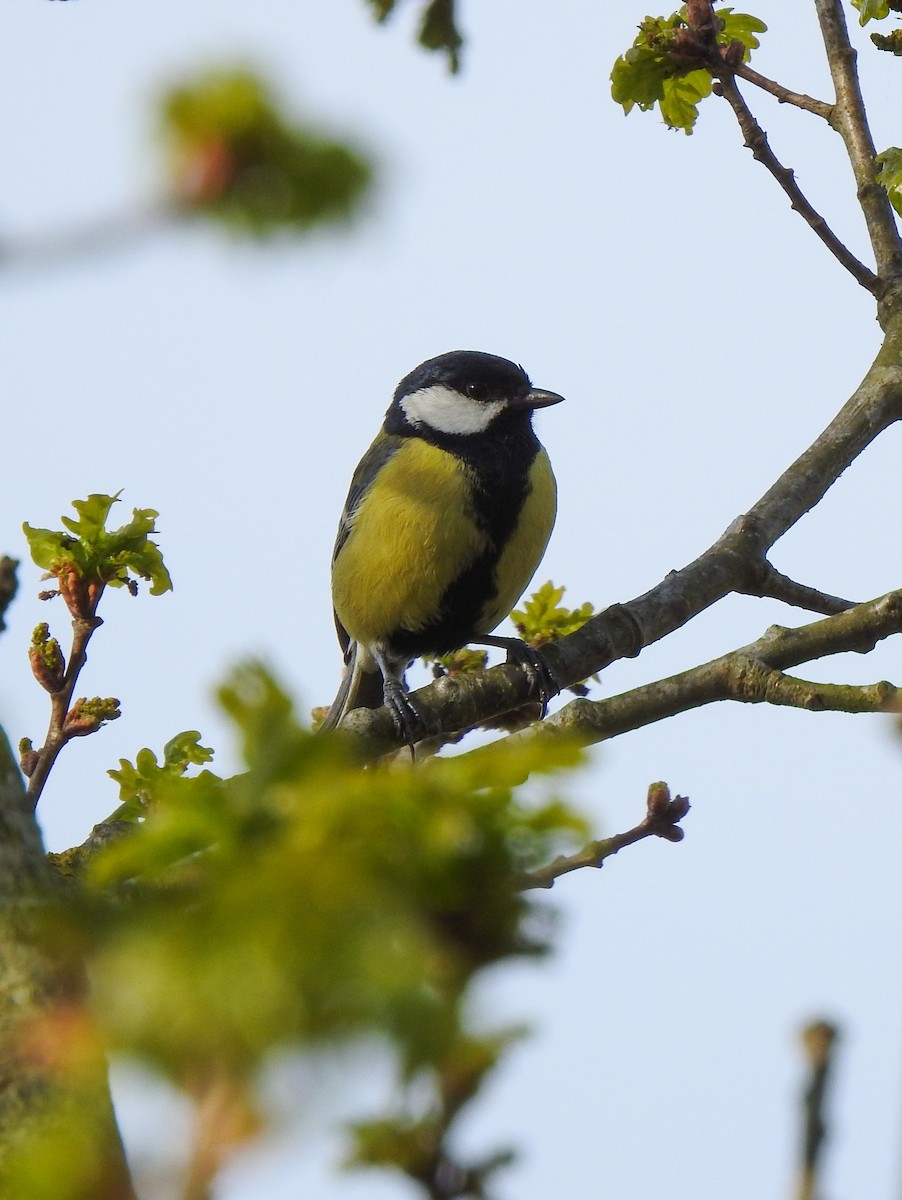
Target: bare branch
x=851 y=122
x=773 y=583
x=753 y=674
x=785 y=95
x=756 y=140
x=101 y=236
x=662 y=820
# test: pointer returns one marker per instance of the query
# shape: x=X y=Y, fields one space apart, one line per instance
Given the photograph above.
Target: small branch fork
x=756 y=140
x=661 y=820
x=846 y=115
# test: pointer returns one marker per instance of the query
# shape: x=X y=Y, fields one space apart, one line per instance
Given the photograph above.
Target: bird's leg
x=407 y=720
x=533 y=662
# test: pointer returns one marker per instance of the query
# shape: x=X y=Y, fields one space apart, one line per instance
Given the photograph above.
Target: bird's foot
x=534 y=664
x=407 y=720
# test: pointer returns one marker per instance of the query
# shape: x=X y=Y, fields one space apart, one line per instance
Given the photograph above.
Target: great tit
x=446 y=521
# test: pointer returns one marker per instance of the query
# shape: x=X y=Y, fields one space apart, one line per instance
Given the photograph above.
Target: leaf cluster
x=236 y=158
x=665 y=68
x=96 y=555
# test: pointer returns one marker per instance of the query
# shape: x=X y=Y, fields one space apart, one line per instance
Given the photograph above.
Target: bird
x=447 y=518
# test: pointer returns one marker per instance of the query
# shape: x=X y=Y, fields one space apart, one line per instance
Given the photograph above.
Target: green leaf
x=890 y=175
x=682 y=93
x=544 y=619
x=95 y=554
x=661 y=67
x=739 y=27
x=140 y=784
x=871 y=10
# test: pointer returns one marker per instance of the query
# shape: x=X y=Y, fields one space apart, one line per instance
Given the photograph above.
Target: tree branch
x=756 y=140
x=44 y=1092
x=101 y=236
x=785 y=95
x=661 y=820
x=752 y=674
x=851 y=122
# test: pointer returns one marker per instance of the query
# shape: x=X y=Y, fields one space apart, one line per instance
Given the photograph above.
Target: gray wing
x=383 y=448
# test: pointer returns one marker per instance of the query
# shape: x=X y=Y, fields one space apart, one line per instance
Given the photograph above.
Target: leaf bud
x=47 y=662
x=87 y=716
x=28 y=757
x=658 y=799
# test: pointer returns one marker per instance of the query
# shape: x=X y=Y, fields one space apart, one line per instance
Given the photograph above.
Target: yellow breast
x=410 y=538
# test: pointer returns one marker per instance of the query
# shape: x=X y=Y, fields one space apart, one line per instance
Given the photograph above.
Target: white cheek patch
x=448 y=411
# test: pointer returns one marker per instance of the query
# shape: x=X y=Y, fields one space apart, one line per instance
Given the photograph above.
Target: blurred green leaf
x=308 y=899
x=237 y=159
x=438 y=28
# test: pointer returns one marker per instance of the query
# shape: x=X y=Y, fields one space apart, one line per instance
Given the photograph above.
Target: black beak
x=537 y=398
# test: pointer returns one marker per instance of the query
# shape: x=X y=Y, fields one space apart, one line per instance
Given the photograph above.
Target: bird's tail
x=361 y=687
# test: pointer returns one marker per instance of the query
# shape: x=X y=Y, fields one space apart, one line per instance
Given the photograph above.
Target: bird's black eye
x=477 y=391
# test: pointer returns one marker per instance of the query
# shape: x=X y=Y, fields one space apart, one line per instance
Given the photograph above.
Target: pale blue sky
x=702 y=337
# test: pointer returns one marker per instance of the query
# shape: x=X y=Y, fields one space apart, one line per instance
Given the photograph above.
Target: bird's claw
x=407 y=720
x=538 y=672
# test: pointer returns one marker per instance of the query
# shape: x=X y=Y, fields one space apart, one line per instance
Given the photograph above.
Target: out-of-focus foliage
x=890 y=175
x=98 y=556
x=438 y=28
x=662 y=66
x=235 y=157
x=310 y=900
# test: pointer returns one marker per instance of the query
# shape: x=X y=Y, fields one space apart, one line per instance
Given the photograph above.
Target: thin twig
x=662 y=819
x=100 y=236
x=785 y=95
x=756 y=140
x=851 y=122
x=819 y=1042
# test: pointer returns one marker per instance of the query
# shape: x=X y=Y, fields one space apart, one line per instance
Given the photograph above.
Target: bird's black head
x=464 y=393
